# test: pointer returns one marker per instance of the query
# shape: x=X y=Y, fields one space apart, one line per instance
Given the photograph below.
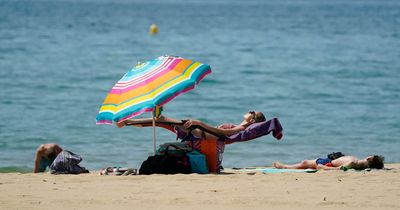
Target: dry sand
x=321 y=190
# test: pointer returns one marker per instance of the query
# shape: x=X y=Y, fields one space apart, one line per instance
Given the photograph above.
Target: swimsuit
x=44 y=163
x=324 y=161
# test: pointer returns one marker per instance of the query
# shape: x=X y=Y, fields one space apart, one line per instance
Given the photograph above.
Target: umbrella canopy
x=150 y=85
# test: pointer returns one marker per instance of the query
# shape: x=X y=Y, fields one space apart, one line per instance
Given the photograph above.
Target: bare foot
x=121 y=124
x=278 y=165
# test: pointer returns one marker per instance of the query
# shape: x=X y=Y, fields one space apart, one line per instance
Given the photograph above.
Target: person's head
x=253 y=117
x=375 y=161
x=53 y=151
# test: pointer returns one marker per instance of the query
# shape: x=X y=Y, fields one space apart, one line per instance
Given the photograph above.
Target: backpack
x=167 y=163
x=67 y=163
x=183 y=148
x=335 y=155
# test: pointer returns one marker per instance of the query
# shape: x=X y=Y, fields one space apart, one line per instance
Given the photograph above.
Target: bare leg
x=137 y=122
x=199 y=134
x=305 y=164
x=163 y=118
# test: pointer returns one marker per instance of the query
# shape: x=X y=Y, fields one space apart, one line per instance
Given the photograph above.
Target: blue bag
x=198 y=162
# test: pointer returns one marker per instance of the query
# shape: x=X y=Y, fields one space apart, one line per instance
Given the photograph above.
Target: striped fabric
x=148 y=85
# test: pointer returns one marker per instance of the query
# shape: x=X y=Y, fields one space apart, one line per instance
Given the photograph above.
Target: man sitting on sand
x=45 y=155
x=343 y=162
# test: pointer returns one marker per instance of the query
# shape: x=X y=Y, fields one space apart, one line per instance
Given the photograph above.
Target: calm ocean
x=329 y=70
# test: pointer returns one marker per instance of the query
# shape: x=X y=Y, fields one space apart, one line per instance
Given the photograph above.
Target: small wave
x=253 y=72
x=246 y=49
x=214 y=81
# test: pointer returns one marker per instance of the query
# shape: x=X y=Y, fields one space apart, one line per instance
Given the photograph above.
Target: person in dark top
x=45 y=155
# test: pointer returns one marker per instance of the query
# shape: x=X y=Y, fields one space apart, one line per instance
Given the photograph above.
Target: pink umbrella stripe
x=145 y=82
x=147 y=75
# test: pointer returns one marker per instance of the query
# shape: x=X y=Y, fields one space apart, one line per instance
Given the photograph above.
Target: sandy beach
x=236 y=190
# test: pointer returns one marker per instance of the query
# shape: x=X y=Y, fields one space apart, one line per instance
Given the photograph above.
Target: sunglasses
x=253 y=113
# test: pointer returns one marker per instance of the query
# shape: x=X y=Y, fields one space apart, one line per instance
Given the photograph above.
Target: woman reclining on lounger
x=224 y=129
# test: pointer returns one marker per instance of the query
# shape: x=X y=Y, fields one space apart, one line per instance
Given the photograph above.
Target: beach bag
x=67 y=163
x=198 y=162
x=213 y=151
x=167 y=163
x=335 y=155
x=183 y=148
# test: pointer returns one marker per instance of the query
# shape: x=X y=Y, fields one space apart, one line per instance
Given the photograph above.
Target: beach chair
x=214 y=149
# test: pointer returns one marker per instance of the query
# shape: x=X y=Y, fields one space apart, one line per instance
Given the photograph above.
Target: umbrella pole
x=154 y=131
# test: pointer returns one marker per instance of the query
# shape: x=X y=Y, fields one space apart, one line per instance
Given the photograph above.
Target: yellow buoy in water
x=153 y=29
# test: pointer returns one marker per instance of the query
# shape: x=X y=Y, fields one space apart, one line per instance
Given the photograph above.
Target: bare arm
x=355 y=165
x=351 y=164
x=319 y=167
x=225 y=132
x=38 y=156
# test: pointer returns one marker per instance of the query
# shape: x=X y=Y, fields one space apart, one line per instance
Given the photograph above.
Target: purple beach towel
x=253 y=131
x=257 y=130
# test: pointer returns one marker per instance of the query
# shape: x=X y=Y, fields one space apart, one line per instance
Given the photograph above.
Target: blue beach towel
x=275 y=170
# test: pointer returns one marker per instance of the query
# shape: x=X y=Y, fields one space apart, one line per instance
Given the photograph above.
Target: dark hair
x=259 y=117
x=376 y=161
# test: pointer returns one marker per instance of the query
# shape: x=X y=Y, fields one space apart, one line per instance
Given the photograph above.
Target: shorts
x=324 y=161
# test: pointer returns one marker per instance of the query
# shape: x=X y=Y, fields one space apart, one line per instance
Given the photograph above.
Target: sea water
x=329 y=70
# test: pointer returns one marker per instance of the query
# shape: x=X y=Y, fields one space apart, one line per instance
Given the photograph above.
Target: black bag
x=335 y=155
x=167 y=163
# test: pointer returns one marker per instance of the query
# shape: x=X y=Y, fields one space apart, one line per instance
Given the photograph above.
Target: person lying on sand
x=343 y=162
x=45 y=155
x=226 y=129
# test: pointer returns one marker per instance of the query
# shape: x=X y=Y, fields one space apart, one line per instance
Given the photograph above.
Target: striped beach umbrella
x=150 y=85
